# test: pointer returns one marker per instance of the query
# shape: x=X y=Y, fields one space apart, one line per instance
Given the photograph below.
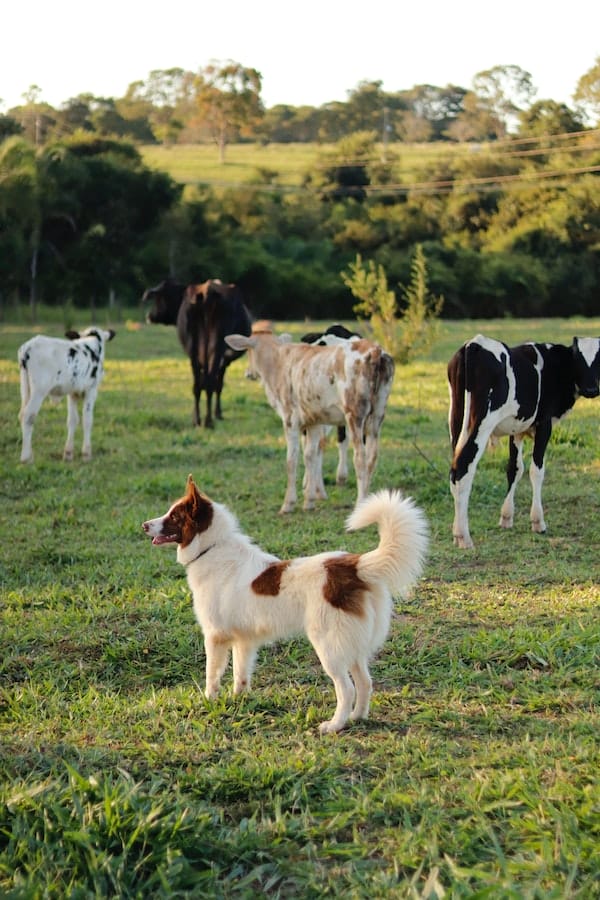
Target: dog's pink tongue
x=162 y=539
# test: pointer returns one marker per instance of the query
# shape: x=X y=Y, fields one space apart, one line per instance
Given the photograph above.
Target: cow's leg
x=292 y=439
x=319 y=485
x=372 y=431
x=341 y=476
x=462 y=473
x=356 y=430
x=313 y=465
x=536 y=475
x=198 y=383
x=514 y=473
x=218 y=390
x=88 y=420
x=72 y=423
x=208 y=418
x=27 y=416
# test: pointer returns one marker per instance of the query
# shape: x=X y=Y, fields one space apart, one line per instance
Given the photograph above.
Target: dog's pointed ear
x=192 y=490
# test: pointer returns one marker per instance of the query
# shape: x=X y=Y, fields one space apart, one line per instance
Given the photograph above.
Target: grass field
x=477 y=772
x=287 y=164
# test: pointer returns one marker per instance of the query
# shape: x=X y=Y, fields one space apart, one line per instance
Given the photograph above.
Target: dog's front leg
x=244 y=658
x=217 y=655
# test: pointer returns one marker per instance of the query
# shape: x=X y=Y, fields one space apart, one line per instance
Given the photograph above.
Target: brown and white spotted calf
x=310 y=386
x=496 y=390
x=335 y=334
x=56 y=367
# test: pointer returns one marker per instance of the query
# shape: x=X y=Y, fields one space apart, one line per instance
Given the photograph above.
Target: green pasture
x=477 y=774
x=282 y=164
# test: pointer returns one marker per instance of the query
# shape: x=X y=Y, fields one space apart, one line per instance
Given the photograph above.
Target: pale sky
x=309 y=53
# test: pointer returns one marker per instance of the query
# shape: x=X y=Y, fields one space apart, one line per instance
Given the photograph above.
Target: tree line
x=222 y=103
x=506 y=227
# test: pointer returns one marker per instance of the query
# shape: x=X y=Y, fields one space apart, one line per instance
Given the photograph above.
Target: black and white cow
x=496 y=390
x=56 y=367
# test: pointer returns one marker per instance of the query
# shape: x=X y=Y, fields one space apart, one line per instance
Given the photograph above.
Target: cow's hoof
x=506 y=522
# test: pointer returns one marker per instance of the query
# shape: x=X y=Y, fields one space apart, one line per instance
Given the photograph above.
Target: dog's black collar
x=202 y=552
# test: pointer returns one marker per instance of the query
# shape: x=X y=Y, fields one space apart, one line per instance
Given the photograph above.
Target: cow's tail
x=403 y=540
x=456 y=388
x=24 y=381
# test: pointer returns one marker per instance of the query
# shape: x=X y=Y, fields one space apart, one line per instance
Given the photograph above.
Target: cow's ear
x=111 y=334
x=72 y=335
x=240 y=341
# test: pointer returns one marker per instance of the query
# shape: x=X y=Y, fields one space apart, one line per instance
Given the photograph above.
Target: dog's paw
x=331 y=727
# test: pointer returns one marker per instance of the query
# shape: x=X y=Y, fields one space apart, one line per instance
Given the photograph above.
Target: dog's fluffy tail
x=404 y=538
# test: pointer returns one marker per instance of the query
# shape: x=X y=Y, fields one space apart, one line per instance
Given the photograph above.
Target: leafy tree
x=228 y=98
x=9 y=126
x=503 y=90
x=35 y=117
x=477 y=121
x=27 y=177
x=431 y=110
x=365 y=107
x=74 y=115
x=414 y=332
x=419 y=321
x=548 y=117
x=376 y=302
x=587 y=91
x=165 y=100
x=119 y=203
x=343 y=171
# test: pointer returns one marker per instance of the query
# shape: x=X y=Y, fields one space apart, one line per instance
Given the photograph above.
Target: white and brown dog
x=245 y=598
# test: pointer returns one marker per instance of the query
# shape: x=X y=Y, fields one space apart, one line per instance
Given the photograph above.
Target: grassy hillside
x=477 y=772
x=195 y=163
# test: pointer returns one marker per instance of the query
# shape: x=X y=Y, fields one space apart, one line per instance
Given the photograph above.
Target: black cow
x=496 y=390
x=204 y=314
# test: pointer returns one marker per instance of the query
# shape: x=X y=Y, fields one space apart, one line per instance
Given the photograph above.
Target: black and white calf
x=57 y=367
x=496 y=390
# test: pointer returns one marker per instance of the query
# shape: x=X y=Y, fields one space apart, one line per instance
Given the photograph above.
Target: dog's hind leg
x=244 y=658
x=364 y=686
x=344 y=692
x=344 y=689
x=217 y=656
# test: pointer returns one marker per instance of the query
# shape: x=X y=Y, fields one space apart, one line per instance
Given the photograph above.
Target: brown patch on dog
x=344 y=588
x=269 y=581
